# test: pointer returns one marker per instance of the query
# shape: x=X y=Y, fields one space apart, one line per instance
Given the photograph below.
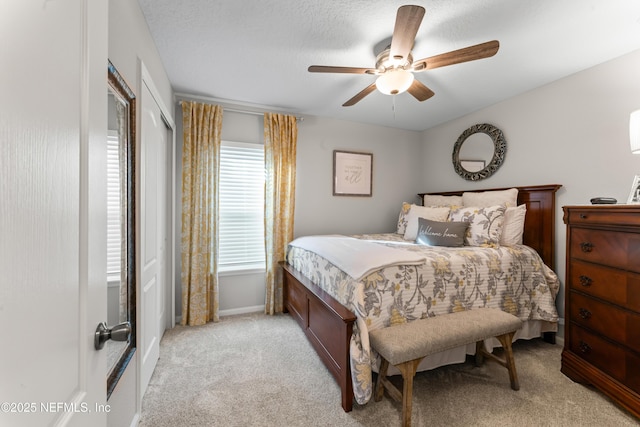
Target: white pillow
x=437 y=200
x=434 y=214
x=485 y=224
x=484 y=199
x=513 y=226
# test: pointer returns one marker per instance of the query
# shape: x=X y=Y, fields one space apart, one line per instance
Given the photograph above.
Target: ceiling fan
x=395 y=65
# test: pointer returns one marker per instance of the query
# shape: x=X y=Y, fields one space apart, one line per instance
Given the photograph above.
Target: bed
x=336 y=311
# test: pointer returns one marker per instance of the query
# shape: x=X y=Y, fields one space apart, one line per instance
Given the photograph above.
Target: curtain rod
x=230 y=109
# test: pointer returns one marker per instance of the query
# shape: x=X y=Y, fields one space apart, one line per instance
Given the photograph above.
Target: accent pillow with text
x=441 y=233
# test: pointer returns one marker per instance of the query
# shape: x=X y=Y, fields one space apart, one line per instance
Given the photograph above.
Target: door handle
x=119 y=332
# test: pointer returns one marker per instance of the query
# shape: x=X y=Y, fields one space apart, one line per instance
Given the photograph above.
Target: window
x=241 y=198
x=114 y=235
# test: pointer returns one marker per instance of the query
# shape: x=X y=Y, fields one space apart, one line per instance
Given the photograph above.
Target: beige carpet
x=257 y=370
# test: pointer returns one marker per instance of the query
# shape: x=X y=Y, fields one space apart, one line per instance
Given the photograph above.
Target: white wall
x=573 y=132
x=396 y=177
x=130 y=40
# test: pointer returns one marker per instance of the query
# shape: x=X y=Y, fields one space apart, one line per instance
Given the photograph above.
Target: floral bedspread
x=514 y=279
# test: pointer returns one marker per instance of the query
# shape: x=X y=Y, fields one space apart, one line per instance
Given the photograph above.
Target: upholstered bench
x=404 y=346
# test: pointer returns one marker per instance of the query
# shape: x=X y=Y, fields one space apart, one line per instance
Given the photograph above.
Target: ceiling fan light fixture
x=394 y=81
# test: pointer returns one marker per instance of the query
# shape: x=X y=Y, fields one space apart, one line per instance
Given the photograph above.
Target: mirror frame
x=499 y=151
x=117 y=84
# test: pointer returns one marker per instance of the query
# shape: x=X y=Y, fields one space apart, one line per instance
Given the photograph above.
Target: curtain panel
x=280 y=139
x=202 y=125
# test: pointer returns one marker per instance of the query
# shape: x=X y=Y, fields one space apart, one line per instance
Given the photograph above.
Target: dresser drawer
x=599 y=352
x=616 y=286
x=598 y=215
x=613 y=248
x=620 y=364
x=613 y=322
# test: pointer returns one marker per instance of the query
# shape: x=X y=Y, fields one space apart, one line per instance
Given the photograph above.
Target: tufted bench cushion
x=404 y=346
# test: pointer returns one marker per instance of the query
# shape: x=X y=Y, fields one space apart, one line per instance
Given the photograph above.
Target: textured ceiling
x=256 y=52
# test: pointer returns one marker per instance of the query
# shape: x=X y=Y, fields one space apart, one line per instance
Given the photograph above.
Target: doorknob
x=119 y=332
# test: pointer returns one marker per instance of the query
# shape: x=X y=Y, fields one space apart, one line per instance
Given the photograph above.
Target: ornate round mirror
x=479 y=152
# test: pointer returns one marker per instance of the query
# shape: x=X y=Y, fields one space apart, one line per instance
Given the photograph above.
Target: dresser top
x=618 y=206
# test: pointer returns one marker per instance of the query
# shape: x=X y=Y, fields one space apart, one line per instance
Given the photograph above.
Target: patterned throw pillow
x=439 y=233
x=402 y=218
x=485 y=224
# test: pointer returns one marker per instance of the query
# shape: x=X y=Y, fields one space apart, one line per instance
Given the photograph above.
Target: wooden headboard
x=540 y=221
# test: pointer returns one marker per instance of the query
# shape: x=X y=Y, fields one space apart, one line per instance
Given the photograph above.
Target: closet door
x=153 y=189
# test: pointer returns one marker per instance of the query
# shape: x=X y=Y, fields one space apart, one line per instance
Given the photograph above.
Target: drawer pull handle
x=585 y=314
x=584 y=347
x=585 y=280
x=583 y=216
x=586 y=246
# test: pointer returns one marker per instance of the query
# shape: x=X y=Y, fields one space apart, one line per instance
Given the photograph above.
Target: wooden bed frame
x=328 y=324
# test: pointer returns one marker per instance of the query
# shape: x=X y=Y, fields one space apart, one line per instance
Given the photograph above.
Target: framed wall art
x=634 y=195
x=352 y=173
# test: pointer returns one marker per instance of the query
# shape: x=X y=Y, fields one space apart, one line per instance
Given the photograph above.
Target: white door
x=152 y=190
x=52 y=211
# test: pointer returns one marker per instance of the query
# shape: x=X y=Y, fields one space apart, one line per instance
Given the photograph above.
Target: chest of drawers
x=602 y=300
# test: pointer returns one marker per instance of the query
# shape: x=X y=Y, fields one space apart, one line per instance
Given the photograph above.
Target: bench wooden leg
x=382 y=374
x=480 y=353
x=510 y=363
x=408 y=371
x=383 y=384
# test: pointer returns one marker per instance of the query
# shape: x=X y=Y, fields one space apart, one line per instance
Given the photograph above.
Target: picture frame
x=472 y=165
x=352 y=173
x=634 y=194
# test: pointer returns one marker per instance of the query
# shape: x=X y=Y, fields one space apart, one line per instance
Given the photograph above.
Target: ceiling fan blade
x=366 y=91
x=408 y=21
x=348 y=70
x=420 y=91
x=471 y=53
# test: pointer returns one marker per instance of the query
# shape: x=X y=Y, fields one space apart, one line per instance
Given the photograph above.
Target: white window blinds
x=114 y=238
x=241 y=191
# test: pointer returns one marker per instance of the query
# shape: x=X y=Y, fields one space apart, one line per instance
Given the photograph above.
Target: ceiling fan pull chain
x=393 y=106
